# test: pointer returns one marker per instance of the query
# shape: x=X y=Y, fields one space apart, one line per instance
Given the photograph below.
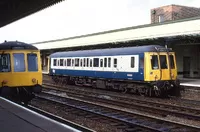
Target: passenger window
x=163 y=62
x=61 y=62
x=154 y=62
x=32 y=62
x=115 y=62
x=101 y=62
x=5 y=63
x=132 y=62
x=141 y=62
x=84 y=62
x=105 y=62
x=19 y=64
x=172 y=62
x=58 y=62
x=81 y=62
x=109 y=62
x=76 y=62
x=65 y=62
x=87 y=62
x=90 y=62
x=54 y=62
x=96 y=62
x=72 y=62
x=68 y=62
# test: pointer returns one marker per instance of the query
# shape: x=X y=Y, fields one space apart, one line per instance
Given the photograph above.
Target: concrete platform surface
x=15 y=118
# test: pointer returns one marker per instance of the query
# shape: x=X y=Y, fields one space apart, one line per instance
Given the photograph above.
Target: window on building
x=68 y=62
x=32 y=62
x=101 y=62
x=109 y=62
x=54 y=62
x=96 y=62
x=105 y=62
x=5 y=63
x=161 y=18
x=115 y=62
x=154 y=62
x=132 y=62
x=61 y=62
x=19 y=63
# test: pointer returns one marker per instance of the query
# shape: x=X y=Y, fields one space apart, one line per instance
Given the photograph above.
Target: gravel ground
x=87 y=122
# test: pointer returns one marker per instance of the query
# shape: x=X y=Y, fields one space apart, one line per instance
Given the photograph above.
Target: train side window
x=32 y=62
x=141 y=62
x=90 y=62
x=132 y=62
x=84 y=62
x=58 y=62
x=115 y=62
x=101 y=62
x=154 y=62
x=68 y=62
x=19 y=64
x=72 y=62
x=81 y=62
x=5 y=63
x=109 y=62
x=105 y=62
x=65 y=62
x=76 y=62
x=54 y=62
x=61 y=62
x=163 y=62
x=172 y=65
x=96 y=62
x=87 y=62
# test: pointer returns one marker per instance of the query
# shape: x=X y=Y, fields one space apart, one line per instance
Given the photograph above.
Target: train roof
x=110 y=51
x=15 y=45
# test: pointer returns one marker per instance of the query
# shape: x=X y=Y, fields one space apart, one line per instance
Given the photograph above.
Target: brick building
x=173 y=12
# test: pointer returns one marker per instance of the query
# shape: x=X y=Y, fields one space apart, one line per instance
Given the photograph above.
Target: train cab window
x=68 y=62
x=101 y=62
x=154 y=62
x=61 y=62
x=115 y=62
x=76 y=62
x=172 y=65
x=96 y=62
x=5 y=63
x=54 y=62
x=109 y=62
x=163 y=61
x=132 y=62
x=32 y=62
x=105 y=62
x=19 y=64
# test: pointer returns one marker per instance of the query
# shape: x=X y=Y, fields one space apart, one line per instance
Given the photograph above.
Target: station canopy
x=12 y=10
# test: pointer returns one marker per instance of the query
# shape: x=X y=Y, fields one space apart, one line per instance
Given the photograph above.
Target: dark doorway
x=186 y=66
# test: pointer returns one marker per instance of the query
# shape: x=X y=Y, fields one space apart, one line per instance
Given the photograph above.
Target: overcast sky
x=78 y=17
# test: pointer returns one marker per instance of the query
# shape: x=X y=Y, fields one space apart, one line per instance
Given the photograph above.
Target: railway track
x=157 y=108
x=59 y=119
x=129 y=120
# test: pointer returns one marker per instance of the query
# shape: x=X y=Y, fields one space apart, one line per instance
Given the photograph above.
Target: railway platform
x=14 y=117
x=190 y=82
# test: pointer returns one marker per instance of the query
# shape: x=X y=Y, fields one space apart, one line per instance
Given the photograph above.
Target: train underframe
x=20 y=94
x=152 y=89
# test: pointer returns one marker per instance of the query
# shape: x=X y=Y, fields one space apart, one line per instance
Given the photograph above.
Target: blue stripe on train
x=138 y=76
